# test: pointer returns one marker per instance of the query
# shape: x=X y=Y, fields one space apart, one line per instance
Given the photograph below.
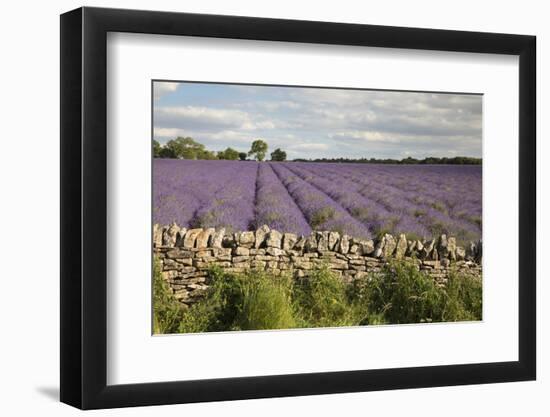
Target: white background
x=133 y=60
x=30 y=222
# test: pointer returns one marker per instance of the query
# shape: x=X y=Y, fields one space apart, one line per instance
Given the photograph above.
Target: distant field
x=361 y=200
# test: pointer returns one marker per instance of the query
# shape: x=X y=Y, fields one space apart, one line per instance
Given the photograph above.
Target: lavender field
x=361 y=200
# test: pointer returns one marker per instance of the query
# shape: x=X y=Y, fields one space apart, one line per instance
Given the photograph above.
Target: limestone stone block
x=274 y=239
x=343 y=246
x=216 y=239
x=241 y=251
x=401 y=247
x=245 y=239
x=157 y=235
x=170 y=234
x=275 y=251
x=389 y=245
x=311 y=243
x=260 y=236
x=289 y=240
x=191 y=237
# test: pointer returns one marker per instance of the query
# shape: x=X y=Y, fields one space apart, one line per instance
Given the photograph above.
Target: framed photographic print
x=259 y=207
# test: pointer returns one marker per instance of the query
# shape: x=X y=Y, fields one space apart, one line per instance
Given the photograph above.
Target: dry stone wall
x=185 y=255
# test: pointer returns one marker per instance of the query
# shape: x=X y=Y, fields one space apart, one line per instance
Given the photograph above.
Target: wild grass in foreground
x=258 y=301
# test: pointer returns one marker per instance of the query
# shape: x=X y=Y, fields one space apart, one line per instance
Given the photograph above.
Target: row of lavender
x=358 y=200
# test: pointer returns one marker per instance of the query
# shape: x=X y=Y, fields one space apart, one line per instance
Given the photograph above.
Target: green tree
x=409 y=160
x=156 y=149
x=167 y=153
x=204 y=154
x=242 y=156
x=278 y=155
x=185 y=148
x=258 y=149
x=229 y=154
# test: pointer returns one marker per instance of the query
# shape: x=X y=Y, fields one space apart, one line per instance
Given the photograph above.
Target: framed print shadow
x=257 y=208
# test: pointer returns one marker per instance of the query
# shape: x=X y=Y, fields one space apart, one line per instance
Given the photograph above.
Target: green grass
x=257 y=300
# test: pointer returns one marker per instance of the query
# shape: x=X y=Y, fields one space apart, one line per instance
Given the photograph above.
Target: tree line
x=431 y=160
x=188 y=148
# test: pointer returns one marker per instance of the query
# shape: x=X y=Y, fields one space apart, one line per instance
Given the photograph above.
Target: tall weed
x=320 y=300
x=167 y=311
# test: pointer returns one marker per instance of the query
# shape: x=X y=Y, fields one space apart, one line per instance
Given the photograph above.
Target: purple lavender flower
x=357 y=199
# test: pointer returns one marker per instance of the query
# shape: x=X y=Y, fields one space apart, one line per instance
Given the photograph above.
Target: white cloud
x=167 y=132
x=195 y=117
x=202 y=114
x=265 y=124
x=309 y=146
x=368 y=136
x=161 y=88
x=277 y=105
x=228 y=136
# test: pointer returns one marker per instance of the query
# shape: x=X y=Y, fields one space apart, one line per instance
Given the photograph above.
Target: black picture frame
x=84 y=207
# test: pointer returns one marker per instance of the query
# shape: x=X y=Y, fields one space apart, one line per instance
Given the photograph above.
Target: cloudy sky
x=316 y=122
